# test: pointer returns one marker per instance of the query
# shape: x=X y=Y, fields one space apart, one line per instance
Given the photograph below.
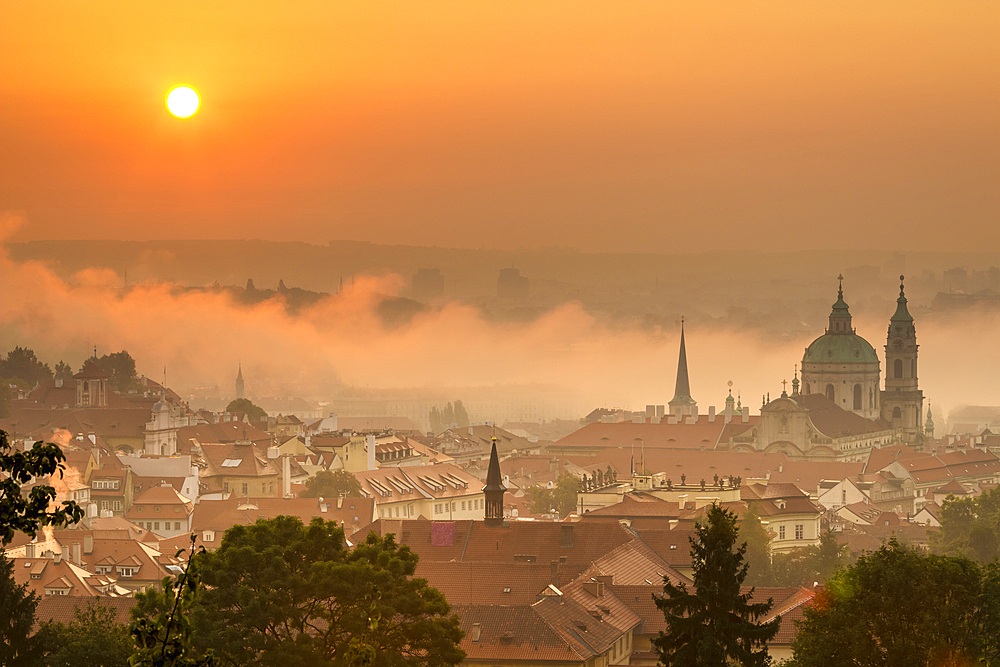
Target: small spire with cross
x=840 y=288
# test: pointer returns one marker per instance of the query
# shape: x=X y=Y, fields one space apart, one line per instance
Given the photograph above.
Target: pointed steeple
x=239 y=381
x=494 y=489
x=682 y=400
x=901 y=314
x=840 y=316
x=929 y=424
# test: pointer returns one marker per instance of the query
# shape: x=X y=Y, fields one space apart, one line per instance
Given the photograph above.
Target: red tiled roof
x=62 y=608
x=835 y=422
x=698 y=436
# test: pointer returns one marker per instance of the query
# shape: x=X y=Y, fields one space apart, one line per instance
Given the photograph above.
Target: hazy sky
x=608 y=125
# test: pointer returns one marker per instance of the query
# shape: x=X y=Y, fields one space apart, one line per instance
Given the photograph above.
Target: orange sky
x=600 y=125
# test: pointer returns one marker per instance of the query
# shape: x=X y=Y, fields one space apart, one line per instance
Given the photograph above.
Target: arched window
x=829 y=393
x=808 y=388
x=857 y=397
x=897 y=413
x=897 y=368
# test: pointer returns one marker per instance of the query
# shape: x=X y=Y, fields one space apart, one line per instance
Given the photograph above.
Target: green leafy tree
x=561 y=498
x=27 y=515
x=161 y=627
x=715 y=625
x=758 y=553
x=969 y=527
x=448 y=415
x=895 y=607
x=989 y=617
x=6 y=395
x=17 y=616
x=121 y=367
x=282 y=593
x=64 y=372
x=808 y=565
x=332 y=484
x=93 y=637
x=461 y=416
x=437 y=425
x=255 y=413
x=22 y=363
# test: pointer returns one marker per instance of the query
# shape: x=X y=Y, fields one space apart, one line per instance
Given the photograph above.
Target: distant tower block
x=682 y=404
x=494 y=490
x=239 y=383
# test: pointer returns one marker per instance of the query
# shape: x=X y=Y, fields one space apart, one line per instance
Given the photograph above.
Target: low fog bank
x=343 y=340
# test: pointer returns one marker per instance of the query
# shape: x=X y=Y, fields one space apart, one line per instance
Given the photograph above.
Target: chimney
x=554 y=573
x=77 y=558
x=477 y=630
x=286 y=476
x=88 y=544
x=746 y=415
x=29 y=551
x=370 y=445
x=711 y=414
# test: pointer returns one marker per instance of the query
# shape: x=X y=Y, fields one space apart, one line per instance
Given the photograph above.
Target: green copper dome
x=840 y=349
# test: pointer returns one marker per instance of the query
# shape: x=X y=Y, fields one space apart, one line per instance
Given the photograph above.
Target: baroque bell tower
x=902 y=400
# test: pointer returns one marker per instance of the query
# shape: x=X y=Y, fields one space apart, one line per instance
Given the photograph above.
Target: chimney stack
x=77 y=557
x=88 y=544
x=29 y=551
x=286 y=476
x=554 y=573
x=711 y=414
x=370 y=446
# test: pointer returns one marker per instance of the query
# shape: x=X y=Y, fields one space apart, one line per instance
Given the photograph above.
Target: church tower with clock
x=902 y=400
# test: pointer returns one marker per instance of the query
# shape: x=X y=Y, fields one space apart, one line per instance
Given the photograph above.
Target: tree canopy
x=280 y=593
x=120 y=366
x=897 y=607
x=332 y=484
x=562 y=498
x=17 y=616
x=245 y=405
x=27 y=515
x=93 y=637
x=21 y=363
x=969 y=527
x=715 y=625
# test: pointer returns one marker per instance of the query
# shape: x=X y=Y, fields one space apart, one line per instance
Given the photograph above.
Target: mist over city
x=448 y=334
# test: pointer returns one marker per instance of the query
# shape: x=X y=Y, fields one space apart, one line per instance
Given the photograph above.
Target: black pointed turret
x=494 y=490
x=682 y=388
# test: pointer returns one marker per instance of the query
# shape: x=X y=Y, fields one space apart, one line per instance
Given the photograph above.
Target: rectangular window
x=156 y=525
x=397 y=511
x=263 y=488
x=781 y=532
x=177 y=525
x=272 y=487
x=463 y=505
x=453 y=506
x=799 y=531
x=177 y=510
x=117 y=505
x=246 y=489
x=225 y=487
x=104 y=504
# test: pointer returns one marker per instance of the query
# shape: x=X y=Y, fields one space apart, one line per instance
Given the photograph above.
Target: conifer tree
x=17 y=616
x=715 y=625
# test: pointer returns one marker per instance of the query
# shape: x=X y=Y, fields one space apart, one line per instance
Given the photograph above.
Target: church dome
x=840 y=349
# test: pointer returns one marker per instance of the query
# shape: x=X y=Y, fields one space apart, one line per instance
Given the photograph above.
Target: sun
x=183 y=101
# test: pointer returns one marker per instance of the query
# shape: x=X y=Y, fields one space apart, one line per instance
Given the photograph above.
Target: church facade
x=842 y=410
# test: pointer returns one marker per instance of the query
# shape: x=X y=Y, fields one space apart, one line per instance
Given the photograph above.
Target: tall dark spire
x=239 y=381
x=494 y=489
x=682 y=388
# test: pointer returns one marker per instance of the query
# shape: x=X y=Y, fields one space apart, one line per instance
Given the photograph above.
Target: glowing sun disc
x=183 y=101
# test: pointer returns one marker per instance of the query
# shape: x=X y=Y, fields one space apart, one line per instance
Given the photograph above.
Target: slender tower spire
x=494 y=489
x=239 y=382
x=682 y=404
